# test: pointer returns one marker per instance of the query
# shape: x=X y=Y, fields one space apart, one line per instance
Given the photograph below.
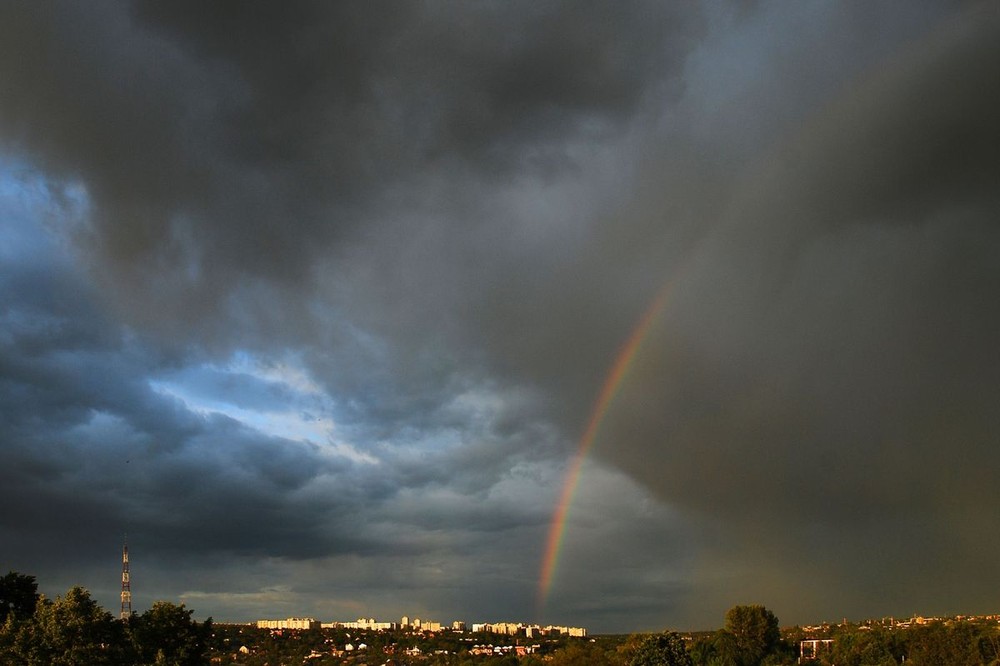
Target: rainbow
x=616 y=376
x=628 y=352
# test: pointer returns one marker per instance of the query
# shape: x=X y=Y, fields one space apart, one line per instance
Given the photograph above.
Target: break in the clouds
x=314 y=302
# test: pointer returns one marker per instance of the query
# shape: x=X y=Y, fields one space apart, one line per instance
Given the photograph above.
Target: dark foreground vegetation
x=73 y=630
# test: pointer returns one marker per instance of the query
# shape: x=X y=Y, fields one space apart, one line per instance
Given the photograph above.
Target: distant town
x=73 y=629
x=892 y=640
x=430 y=629
x=418 y=625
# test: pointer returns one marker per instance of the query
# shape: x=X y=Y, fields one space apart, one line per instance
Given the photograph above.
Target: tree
x=165 y=634
x=725 y=651
x=666 y=649
x=18 y=599
x=74 y=630
x=579 y=654
x=702 y=650
x=18 y=595
x=937 y=644
x=755 y=632
x=873 y=647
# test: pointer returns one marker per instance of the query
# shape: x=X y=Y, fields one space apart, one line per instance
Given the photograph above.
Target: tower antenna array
x=126 y=584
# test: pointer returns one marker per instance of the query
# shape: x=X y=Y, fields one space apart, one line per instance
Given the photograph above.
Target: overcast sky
x=314 y=301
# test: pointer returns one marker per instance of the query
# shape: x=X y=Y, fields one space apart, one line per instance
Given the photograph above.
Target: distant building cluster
x=420 y=626
x=290 y=623
x=500 y=650
x=528 y=630
x=362 y=623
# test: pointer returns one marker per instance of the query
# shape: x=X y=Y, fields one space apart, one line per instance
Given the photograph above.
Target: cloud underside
x=327 y=293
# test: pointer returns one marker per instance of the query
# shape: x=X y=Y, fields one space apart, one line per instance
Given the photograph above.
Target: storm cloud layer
x=314 y=301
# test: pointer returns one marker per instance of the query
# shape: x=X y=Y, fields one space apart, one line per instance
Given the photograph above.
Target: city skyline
x=611 y=315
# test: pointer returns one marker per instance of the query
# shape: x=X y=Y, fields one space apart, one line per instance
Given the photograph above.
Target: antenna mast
x=126 y=585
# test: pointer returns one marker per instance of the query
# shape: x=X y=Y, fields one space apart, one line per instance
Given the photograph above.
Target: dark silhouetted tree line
x=73 y=630
x=751 y=637
x=944 y=643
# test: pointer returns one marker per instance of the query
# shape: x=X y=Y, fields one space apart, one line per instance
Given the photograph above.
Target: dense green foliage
x=73 y=630
x=866 y=648
x=751 y=637
x=18 y=595
x=755 y=633
x=937 y=643
x=166 y=634
x=666 y=649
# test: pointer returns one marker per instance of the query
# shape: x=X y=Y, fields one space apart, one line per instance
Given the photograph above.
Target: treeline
x=751 y=637
x=946 y=642
x=73 y=630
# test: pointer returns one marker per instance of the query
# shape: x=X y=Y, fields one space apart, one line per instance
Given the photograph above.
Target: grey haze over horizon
x=314 y=301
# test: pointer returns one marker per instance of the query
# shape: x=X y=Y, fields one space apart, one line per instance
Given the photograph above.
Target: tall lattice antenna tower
x=126 y=584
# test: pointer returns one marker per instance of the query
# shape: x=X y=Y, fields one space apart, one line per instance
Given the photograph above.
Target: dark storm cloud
x=104 y=434
x=825 y=376
x=223 y=145
x=92 y=449
x=446 y=218
x=88 y=444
